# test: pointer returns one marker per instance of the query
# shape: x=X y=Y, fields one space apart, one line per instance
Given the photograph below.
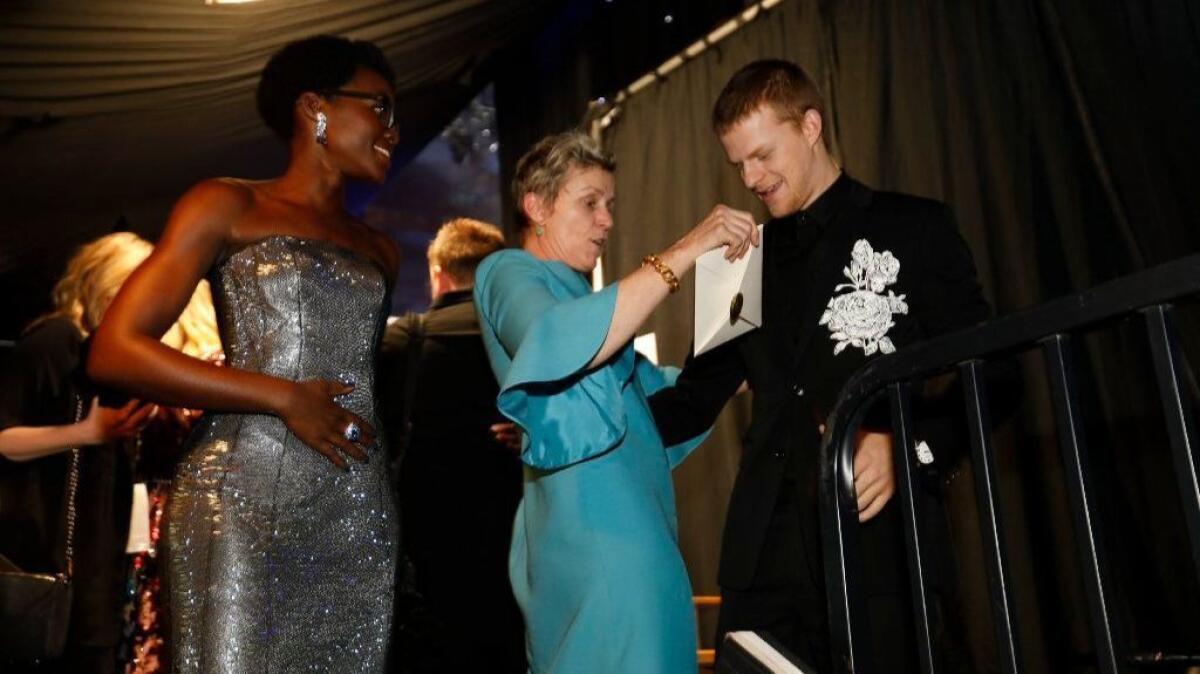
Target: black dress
x=38 y=387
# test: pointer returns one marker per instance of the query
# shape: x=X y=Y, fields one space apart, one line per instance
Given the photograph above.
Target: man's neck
x=827 y=177
x=450 y=295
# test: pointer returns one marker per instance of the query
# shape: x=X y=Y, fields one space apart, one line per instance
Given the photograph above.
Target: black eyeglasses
x=383 y=105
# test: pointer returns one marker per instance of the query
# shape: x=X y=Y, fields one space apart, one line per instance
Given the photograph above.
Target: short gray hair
x=544 y=167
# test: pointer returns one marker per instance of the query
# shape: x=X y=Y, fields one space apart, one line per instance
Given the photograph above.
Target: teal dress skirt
x=594 y=564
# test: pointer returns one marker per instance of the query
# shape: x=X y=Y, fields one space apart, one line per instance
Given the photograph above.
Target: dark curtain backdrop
x=1062 y=134
x=592 y=48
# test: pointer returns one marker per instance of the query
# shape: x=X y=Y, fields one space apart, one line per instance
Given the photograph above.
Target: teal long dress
x=594 y=564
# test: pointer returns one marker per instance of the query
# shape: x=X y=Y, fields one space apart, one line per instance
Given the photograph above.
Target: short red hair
x=783 y=85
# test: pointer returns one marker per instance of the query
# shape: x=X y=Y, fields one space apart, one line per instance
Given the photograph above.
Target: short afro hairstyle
x=315 y=64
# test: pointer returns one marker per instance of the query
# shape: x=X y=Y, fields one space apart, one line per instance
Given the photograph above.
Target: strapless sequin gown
x=278 y=561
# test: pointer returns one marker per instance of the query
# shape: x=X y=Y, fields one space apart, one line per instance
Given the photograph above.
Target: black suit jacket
x=456 y=481
x=795 y=374
x=458 y=493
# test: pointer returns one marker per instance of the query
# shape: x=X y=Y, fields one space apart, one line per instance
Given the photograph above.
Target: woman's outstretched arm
x=102 y=424
x=643 y=289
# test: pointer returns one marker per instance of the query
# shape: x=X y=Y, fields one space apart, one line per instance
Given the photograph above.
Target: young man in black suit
x=849 y=273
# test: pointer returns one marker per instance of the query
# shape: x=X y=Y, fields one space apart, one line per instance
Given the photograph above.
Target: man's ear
x=440 y=282
x=812 y=126
x=436 y=281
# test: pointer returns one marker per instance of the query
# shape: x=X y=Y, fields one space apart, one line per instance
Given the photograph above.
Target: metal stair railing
x=1049 y=327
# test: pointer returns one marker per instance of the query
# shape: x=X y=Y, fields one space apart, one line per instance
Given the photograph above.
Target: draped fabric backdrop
x=1062 y=135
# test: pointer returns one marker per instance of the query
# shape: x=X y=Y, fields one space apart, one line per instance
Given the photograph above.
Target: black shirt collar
x=800 y=230
x=823 y=209
x=451 y=298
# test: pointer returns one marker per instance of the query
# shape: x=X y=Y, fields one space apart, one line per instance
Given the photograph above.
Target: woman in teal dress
x=594 y=565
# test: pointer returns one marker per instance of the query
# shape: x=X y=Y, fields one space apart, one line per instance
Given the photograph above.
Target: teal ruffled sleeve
x=654 y=378
x=550 y=329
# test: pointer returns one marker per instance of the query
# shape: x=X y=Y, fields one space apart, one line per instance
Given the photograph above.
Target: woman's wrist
x=680 y=256
x=86 y=432
x=282 y=398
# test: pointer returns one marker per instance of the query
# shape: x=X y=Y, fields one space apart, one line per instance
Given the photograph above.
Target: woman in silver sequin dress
x=281 y=533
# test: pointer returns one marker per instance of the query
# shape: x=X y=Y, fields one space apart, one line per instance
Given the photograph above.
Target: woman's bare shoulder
x=221 y=194
x=208 y=214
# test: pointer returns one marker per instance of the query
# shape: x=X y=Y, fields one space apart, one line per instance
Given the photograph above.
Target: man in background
x=459 y=473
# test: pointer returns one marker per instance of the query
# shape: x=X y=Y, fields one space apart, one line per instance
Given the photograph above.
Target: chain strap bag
x=35 y=608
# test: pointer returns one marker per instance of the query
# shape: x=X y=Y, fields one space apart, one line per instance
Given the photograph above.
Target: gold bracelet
x=663 y=270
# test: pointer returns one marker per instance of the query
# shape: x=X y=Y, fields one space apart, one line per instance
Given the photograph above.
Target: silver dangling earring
x=539 y=230
x=322 y=124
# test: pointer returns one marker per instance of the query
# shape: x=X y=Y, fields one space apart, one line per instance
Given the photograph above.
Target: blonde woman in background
x=40 y=389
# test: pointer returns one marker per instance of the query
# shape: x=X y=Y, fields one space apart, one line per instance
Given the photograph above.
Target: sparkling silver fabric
x=277 y=561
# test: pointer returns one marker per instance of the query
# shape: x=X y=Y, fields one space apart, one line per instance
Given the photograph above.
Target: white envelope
x=728 y=296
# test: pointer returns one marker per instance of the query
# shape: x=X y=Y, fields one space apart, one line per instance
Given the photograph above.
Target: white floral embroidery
x=863 y=316
x=924 y=453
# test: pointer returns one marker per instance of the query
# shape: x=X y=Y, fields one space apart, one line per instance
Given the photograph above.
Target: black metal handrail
x=1048 y=326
